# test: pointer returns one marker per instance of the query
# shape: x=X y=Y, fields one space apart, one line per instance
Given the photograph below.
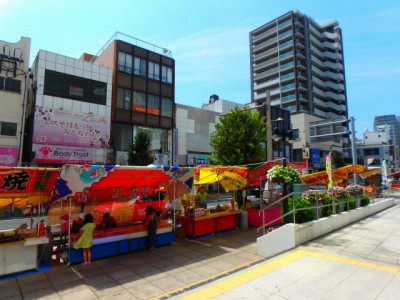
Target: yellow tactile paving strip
x=244 y=277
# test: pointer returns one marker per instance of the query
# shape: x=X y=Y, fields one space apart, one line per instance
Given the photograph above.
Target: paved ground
x=360 y=261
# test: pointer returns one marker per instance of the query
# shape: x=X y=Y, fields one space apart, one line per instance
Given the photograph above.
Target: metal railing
x=262 y=211
x=318 y=208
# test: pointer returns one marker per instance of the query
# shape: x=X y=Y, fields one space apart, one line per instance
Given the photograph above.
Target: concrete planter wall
x=292 y=235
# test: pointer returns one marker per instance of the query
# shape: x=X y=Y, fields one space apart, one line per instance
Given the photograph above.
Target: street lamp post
x=280 y=132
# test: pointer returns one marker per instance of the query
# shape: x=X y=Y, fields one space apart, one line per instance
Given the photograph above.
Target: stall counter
x=121 y=240
x=213 y=223
x=257 y=217
x=19 y=256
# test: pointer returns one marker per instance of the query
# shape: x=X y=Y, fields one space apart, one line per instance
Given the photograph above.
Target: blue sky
x=209 y=41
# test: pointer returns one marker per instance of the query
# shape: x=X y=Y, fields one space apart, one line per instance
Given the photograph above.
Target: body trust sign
x=60 y=127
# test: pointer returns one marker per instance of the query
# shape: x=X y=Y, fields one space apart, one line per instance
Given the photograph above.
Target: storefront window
x=124 y=99
x=153 y=105
x=166 y=107
x=139 y=102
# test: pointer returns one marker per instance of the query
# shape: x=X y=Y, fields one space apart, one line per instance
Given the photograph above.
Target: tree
x=139 y=153
x=237 y=138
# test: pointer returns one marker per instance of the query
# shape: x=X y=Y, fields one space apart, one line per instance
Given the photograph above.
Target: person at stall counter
x=151 y=225
x=202 y=196
x=85 y=240
x=108 y=221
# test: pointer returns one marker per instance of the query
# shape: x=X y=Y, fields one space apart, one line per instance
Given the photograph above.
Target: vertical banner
x=304 y=167
x=384 y=173
x=328 y=164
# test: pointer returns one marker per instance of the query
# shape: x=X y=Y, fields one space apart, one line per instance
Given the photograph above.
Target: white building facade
x=69 y=112
x=14 y=76
x=375 y=147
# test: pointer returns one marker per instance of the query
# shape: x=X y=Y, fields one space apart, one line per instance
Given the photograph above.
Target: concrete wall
x=291 y=235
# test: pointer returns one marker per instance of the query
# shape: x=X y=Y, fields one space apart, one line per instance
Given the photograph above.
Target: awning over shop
x=338 y=175
x=369 y=173
x=259 y=173
x=395 y=175
x=121 y=181
x=230 y=177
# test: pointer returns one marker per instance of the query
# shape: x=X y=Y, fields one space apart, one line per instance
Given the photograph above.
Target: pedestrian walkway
x=360 y=261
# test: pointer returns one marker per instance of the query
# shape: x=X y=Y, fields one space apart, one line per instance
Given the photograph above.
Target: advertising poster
x=66 y=128
x=63 y=154
x=8 y=157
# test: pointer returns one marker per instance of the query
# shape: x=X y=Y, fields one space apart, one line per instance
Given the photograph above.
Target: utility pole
x=353 y=147
x=269 y=147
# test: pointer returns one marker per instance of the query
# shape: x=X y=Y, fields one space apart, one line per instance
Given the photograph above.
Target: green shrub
x=364 y=200
x=302 y=216
x=351 y=203
x=326 y=211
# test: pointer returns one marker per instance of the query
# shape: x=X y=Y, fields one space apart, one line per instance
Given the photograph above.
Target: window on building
x=166 y=74
x=124 y=99
x=124 y=62
x=154 y=70
x=371 y=151
x=166 y=107
x=139 y=67
x=7 y=128
x=74 y=87
x=153 y=105
x=10 y=85
x=139 y=102
x=296 y=133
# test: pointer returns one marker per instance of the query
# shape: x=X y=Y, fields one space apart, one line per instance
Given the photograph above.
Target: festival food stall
x=259 y=215
x=124 y=192
x=199 y=221
x=339 y=175
x=25 y=189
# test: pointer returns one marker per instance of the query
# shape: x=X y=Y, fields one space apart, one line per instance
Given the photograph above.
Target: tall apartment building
x=143 y=95
x=14 y=79
x=394 y=132
x=301 y=64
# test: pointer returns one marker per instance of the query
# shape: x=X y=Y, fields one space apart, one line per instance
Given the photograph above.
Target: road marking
x=208 y=279
x=242 y=278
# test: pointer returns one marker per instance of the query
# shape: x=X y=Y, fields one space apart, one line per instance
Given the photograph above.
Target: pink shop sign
x=8 y=157
x=63 y=154
x=62 y=127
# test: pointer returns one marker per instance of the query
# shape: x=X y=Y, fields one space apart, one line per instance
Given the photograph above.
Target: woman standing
x=151 y=225
x=85 y=241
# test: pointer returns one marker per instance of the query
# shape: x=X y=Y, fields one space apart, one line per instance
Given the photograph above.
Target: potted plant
x=288 y=175
x=340 y=194
x=355 y=190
